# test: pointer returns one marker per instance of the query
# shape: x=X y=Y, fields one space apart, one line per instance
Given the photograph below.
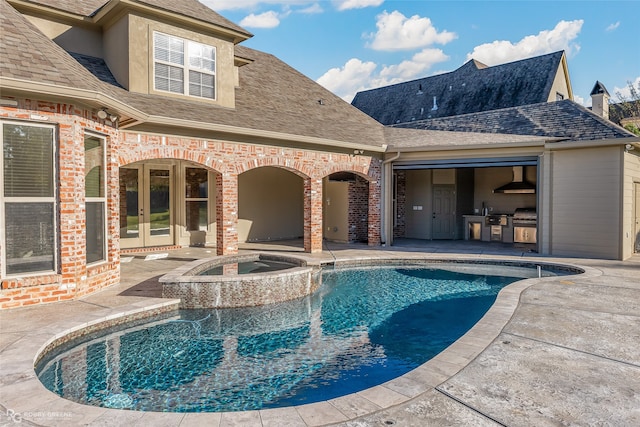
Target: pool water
x=362 y=328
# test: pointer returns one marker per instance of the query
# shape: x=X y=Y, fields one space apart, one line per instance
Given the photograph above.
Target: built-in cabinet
x=476 y=228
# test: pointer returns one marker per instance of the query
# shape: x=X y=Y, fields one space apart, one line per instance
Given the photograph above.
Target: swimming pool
x=361 y=328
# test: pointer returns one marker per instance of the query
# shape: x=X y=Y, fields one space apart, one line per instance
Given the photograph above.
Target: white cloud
x=413 y=68
x=348 y=79
x=356 y=4
x=264 y=20
x=397 y=32
x=624 y=93
x=219 y=5
x=562 y=37
x=314 y=8
x=613 y=26
x=356 y=75
x=582 y=101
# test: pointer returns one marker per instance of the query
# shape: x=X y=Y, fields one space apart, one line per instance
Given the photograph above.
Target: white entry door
x=146 y=206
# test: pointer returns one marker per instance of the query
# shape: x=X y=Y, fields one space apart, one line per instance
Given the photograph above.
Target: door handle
x=433 y=215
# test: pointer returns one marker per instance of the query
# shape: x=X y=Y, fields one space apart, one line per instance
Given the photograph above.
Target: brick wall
x=359 y=210
x=229 y=159
x=74 y=278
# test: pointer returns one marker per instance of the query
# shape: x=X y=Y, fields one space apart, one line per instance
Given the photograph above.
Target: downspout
x=386 y=205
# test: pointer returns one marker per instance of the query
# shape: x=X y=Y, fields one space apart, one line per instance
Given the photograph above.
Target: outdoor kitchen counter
x=485 y=230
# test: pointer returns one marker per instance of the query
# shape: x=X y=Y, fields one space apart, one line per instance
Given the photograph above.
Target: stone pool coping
x=24 y=395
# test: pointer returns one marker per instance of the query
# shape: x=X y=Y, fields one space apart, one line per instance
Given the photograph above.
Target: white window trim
x=53 y=199
x=185 y=66
x=102 y=200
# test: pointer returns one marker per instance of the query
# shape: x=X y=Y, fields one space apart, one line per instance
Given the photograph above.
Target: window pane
x=95 y=232
x=94 y=166
x=197 y=216
x=201 y=84
x=202 y=56
x=169 y=78
x=129 y=194
x=168 y=49
x=30 y=238
x=196 y=183
x=28 y=161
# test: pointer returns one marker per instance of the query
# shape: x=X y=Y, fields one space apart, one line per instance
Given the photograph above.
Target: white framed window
x=95 y=198
x=184 y=66
x=28 y=199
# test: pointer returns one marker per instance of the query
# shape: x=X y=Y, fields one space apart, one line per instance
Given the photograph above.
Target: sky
x=353 y=45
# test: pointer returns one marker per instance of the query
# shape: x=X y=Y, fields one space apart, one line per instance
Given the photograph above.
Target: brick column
x=313 y=215
x=374 y=213
x=226 y=214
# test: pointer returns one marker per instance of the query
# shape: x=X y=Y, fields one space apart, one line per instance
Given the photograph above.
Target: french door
x=146 y=206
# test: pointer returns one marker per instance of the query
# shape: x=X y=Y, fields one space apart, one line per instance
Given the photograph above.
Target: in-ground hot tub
x=240 y=281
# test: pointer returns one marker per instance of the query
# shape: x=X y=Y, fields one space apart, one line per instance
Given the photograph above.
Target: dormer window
x=195 y=76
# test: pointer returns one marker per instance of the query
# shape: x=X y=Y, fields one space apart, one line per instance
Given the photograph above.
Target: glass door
x=157 y=212
x=146 y=211
x=130 y=211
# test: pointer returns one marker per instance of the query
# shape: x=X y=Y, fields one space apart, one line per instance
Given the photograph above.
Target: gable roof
x=272 y=98
x=473 y=87
x=560 y=119
x=30 y=56
x=187 y=8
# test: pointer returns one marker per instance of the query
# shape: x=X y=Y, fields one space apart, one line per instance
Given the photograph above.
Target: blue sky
x=352 y=45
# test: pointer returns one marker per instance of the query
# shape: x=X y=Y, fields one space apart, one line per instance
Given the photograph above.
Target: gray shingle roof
x=560 y=119
x=401 y=138
x=471 y=88
x=27 y=54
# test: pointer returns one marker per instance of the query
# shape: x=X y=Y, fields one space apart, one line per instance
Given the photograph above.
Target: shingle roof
x=401 y=138
x=190 y=8
x=471 y=88
x=272 y=96
x=29 y=55
x=560 y=119
x=82 y=8
x=288 y=103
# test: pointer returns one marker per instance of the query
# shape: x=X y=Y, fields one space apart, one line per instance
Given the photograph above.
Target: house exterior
x=131 y=125
x=504 y=154
x=140 y=124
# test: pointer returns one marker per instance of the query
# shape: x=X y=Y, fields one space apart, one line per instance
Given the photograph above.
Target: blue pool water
x=362 y=328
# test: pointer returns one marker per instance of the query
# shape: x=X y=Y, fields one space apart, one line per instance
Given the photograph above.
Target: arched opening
x=346 y=208
x=270 y=205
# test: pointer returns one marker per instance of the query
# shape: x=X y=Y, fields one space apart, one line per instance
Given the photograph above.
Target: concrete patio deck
x=551 y=351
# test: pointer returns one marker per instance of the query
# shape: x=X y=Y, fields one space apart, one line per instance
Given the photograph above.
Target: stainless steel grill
x=525 y=222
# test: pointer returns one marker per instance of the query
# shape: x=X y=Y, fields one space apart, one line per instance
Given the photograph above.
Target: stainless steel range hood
x=517 y=185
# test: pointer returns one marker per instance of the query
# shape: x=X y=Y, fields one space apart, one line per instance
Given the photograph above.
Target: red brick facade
x=228 y=159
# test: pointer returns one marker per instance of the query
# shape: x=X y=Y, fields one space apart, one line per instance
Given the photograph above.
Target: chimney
x=600 y=100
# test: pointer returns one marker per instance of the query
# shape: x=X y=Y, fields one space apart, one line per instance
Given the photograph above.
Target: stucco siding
x=585 y=203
